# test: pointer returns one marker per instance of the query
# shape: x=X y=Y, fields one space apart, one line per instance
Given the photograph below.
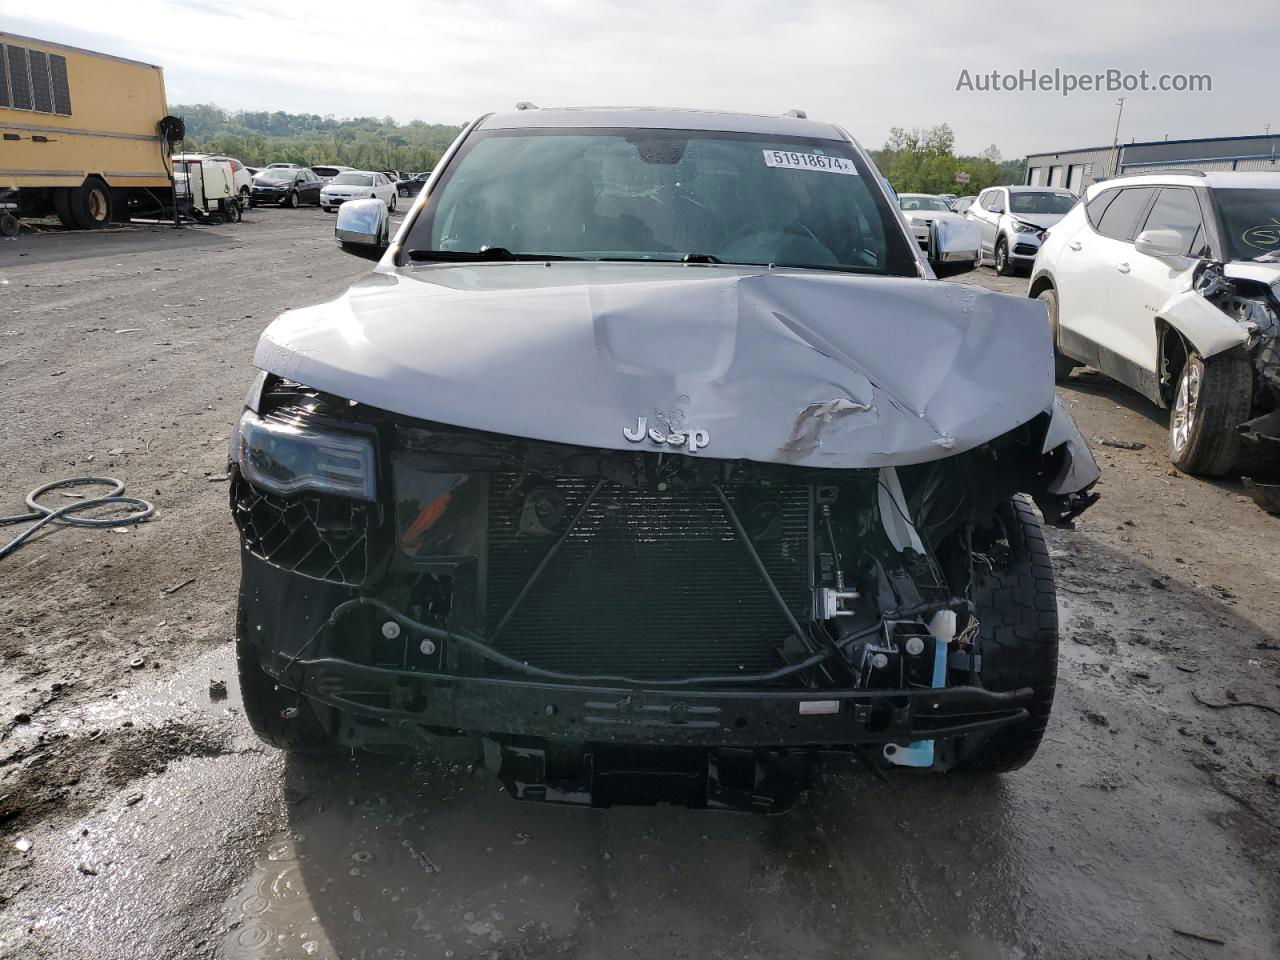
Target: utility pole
x=1115 y=140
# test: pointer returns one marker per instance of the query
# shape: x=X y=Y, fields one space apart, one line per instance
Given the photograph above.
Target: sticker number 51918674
x=809 y=161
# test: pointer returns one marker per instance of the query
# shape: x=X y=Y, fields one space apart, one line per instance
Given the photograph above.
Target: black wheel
x=1018 y=618
x=404 y=191
x=62 y=208
x=230 y=211
x=1062 y=365
x=246 y=199
x=91 y=204
x=391 y=207
x=8 y=225
x=278 y=716
x=1003 y=267
x=1212 y=399
x=292 y=200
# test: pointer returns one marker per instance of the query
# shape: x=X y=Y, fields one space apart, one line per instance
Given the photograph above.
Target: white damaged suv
x=1168 y=283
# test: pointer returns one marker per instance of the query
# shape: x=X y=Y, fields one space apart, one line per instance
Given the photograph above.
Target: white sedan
x=357 y=185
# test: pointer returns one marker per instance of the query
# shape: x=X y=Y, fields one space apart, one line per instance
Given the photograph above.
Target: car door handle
x=1122 y=267
x=1076 y=245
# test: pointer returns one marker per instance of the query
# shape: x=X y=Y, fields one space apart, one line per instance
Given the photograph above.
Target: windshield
x=353 y=179
x=1034 y=202
x=662 y=195
x=280 y=173
x=923 y=203
x=1250 y=222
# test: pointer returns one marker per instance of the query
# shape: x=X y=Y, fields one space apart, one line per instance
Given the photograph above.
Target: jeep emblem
x=693 y=440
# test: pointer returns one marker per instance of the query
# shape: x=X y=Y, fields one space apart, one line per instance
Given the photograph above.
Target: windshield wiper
x=686 y=258
x=486 y=252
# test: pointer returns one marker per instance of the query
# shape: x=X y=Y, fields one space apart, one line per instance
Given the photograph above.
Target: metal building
x=1076 y=169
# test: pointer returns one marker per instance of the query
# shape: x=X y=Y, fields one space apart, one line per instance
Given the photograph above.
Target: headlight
x=285 y=459
x=1026 y=228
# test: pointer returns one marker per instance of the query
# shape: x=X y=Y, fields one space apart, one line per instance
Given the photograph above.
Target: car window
x=922 y=203
x=1250 y=221
x=996 y=202
x=1176 y=209
x=1096 y=207
x=1121 y=217
x=660 y=194
x=1040 y=201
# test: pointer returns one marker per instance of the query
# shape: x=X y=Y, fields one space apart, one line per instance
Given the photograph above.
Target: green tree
x=924 y=161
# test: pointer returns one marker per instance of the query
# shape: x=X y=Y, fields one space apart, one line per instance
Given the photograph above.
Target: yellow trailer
x=83 y=135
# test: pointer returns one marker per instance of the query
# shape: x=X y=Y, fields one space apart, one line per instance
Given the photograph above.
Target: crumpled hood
x=1261 y=271
x=800 y=367
x=1042 y=220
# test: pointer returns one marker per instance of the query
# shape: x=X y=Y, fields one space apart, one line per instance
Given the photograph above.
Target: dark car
x=650 y=464
x=413 y=186
x=287 y=186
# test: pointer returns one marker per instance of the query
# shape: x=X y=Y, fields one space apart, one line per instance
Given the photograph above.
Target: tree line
x=924 y=161
x=259 y=137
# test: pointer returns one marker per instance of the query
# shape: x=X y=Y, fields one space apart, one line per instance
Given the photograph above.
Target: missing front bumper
x=491 y=706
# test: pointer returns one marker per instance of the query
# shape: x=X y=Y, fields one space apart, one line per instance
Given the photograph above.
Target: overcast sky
x=868 y=65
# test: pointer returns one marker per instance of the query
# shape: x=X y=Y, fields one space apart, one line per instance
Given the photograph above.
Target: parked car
x=241 y=175
x=1168 y=283
x=413 y=186
x=357 y=185
x=777 y=509
x=1014 y=221
x=961 y=204
x=282 y=166
x=922 y=212
x=287 y=186
x=327 y=173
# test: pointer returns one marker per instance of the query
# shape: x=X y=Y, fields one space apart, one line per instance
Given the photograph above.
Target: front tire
x=1003 y=267
x=391 y=207
x=1018 y=617
x=1212 y=398
x=293 y=201
x=280 y=717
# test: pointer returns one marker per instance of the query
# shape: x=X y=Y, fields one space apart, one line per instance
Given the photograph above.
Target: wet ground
x=159 y=827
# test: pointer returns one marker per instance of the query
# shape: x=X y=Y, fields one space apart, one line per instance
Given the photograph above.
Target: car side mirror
x=363 y=228
x=954 y=241
x=1160 y=243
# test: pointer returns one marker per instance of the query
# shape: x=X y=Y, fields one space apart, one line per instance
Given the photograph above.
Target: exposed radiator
x=649 y=584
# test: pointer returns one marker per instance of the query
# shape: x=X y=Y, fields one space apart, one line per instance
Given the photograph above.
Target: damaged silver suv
x=651 y=463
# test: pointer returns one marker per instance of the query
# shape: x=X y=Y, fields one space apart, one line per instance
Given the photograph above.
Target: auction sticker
x=809 y=161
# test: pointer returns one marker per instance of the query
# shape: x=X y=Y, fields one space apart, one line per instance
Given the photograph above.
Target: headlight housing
x=287 y=459
x=1026 y=227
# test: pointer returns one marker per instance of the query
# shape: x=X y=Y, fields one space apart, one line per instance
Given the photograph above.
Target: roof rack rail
x=526 y=105
x=798 y=114
x=1189 y=172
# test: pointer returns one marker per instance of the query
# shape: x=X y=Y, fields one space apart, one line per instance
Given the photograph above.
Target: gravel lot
x=1148 y=825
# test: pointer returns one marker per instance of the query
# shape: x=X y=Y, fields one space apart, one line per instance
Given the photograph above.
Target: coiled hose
x=44 y=516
